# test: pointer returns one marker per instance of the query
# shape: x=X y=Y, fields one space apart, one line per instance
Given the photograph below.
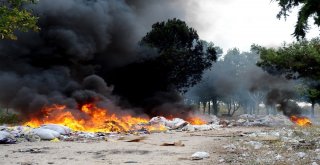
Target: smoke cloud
x=78 y=40
x=236 y=77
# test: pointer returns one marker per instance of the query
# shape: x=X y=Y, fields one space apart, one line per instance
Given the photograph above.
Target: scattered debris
x=256 y=145
x=301 y=154
x=200 y=155
x=178 y=144
x=137 y=139
x=34 y=150
x=6 y=138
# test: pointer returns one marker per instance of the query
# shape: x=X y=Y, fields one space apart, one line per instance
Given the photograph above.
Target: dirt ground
x=148 y=151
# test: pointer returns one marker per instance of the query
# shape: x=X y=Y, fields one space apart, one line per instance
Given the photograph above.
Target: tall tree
x=309 y=8
x=178 y=62
x=13 y=17
x=182 y=55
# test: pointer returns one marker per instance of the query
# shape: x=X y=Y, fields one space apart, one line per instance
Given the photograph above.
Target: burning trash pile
x=271 y=120
x=56 y=132
x=93 y=123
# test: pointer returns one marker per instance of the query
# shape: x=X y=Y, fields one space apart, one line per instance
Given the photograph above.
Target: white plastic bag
x=200 y=155
x=45 y=134
x=63 y=130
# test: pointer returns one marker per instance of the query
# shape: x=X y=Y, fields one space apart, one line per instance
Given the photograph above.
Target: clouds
x=241 y=23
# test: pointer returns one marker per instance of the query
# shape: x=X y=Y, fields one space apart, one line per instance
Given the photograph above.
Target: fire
x=89 y=118
x=301 y=121
x=196 y=121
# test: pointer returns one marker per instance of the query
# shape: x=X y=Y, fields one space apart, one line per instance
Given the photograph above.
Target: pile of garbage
x=286 y=145
x=269 y=120
x=55 y=132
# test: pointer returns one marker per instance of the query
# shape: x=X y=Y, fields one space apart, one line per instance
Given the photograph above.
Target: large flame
x=91 y=118
x=301 y=121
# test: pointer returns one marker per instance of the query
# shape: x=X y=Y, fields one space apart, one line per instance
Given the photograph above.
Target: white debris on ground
x=54 y=131
x=279 y=142
x=277 y=145
x=180 y=124
x=200 y=155
x=11 y=135
x=269 y=120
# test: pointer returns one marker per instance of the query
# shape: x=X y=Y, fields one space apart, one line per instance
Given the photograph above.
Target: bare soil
x=114 y=151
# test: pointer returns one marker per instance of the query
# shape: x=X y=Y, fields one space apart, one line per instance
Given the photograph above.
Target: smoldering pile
x=56 y=132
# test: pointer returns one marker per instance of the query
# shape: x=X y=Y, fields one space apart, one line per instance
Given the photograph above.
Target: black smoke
x=79 y=42
x=237 y=77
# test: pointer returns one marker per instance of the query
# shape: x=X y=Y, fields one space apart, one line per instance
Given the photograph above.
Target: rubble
x=301 y=154
x=269 y=120
x=256 y=145
x=56 y=133
x=175 y=123
x=200 y=155
x=6 y=138
x=281 y=144
x=178 y=143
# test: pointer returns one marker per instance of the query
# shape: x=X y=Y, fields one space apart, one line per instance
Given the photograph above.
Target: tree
x=298 y=60
x=229 y=81
x=181 y=54
x=13 y=17
x=310 y=92
x=309 y=8
x=178 y=62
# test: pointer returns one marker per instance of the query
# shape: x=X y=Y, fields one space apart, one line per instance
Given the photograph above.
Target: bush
x=9 y=118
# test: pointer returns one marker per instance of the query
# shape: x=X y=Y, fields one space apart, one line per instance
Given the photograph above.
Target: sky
x=240 y=23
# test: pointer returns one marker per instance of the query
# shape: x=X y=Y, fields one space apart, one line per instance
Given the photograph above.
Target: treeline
x=269 y=76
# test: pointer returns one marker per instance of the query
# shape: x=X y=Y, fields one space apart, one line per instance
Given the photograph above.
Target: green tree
x=14 y=17
x=298 y=60
x=309 y=8
x=177 y=62
x=182 y=55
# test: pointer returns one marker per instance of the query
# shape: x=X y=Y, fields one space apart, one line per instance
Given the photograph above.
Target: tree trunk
x=312 y=109
x=215 y=106
x=204 y=107
x=209 y=108
x=229 y=106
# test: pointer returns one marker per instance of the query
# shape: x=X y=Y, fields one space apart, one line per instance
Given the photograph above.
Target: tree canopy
x=178 y=62
x=181 y=54
x=13 y=17
x=309 y=8
x=298 y=60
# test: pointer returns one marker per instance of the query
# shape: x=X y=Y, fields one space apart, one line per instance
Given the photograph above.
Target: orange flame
x=196 y=121
x=301 y=121
x=90 y=119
